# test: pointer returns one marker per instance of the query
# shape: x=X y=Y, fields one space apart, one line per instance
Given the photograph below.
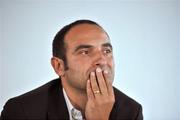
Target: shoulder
x=37 y=94
x=125 y=106
x=123 y=99
x=33 y=103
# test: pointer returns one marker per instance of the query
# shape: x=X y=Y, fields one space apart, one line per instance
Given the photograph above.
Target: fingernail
x=98 y=69
x=88 y=81
x=105 y=71
x=92 y=74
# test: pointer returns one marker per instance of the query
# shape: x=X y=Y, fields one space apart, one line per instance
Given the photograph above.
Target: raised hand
x=100 y=96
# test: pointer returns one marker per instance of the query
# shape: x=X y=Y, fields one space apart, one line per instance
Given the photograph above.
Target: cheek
x=79 y=68
x=111 y=62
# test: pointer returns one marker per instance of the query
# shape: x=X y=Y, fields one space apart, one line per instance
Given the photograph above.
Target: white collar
x=70 y=106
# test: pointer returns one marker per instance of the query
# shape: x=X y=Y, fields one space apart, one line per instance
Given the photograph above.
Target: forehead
x=86 y=34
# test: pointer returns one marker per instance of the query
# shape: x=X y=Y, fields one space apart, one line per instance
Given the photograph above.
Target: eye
x=106 y=51
x=84 y=52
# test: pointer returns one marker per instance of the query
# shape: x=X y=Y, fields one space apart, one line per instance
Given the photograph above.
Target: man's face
x=87 y=47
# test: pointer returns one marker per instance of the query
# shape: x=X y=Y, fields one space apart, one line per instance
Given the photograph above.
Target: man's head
x=78 y=49
x=59 y=49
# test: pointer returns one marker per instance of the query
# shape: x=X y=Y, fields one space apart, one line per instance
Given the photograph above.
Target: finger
x=108 y=82
x=101 y=81
x=94 y=84
x=89 y=91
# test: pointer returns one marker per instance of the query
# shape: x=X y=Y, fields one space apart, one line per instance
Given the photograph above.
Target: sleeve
x=12 y=110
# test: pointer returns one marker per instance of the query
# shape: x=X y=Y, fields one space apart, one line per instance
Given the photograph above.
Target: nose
x=100 y=60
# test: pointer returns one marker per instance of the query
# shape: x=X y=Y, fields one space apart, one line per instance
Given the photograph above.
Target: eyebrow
x=107 y=45
x=82 y=47
x=90 y=46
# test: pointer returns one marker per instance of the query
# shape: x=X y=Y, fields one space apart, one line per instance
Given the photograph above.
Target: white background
x=145 y=35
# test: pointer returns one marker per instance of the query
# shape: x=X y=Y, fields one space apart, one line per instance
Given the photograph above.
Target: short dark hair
x=58 y=45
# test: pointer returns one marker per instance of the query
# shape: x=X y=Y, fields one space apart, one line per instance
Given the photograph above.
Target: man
x=83 y=60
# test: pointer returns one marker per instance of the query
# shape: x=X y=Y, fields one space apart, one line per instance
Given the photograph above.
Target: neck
x=77 y=97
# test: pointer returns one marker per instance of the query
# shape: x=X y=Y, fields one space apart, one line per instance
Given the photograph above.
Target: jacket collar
x=57 y=108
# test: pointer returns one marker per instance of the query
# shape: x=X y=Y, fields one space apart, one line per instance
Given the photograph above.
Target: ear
x=58 y=65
